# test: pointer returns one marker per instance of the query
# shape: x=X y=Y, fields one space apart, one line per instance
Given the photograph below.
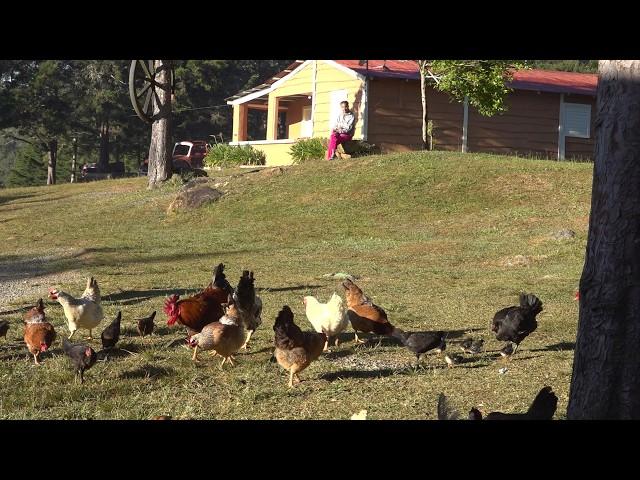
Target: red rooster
x=201 y=309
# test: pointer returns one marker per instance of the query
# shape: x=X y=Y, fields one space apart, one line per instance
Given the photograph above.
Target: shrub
x=222 y=155
x=309 y=149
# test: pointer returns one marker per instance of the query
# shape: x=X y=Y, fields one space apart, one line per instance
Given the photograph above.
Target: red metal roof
x=555 y=82
x=538 y=80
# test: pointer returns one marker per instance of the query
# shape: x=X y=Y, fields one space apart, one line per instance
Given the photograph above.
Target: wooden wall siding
x=300 y=82
x=529 y=126
x=446 y=116
x=395 y=114
x=329 y=79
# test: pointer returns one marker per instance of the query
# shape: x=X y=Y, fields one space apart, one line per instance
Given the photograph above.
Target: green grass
x=434 y=236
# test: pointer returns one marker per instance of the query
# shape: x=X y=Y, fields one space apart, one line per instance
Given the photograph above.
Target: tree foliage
x=483 y=82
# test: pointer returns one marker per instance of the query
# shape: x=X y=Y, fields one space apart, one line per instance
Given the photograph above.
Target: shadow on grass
x=287 y=289
x=384 y=372
x=557 y=347
x=128 y=297
x=334 y=355
x=147 y=371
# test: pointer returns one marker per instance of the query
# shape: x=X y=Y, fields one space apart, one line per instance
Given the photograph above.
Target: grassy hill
x=440 y=241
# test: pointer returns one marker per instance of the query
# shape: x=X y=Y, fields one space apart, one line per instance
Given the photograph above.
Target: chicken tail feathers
x=531 y=302
x=220 y=279
x=245 y=294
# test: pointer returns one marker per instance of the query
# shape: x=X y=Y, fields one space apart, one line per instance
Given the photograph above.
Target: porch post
x=235 y=137
x=561 y=142
x=272 y=118
x=244 y=121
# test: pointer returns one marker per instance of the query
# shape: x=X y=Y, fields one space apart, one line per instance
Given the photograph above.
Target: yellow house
x=309 y=94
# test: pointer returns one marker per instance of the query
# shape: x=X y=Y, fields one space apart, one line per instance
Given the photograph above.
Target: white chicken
x=84 y=312
x=329 y=318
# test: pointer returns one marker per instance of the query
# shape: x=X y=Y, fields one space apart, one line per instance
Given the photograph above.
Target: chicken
x=200 y=309
x=363 y=314
x=39 y=334
x=36 y=314
x=224 y=337
x=248 y=303
x=295 y=349
x=84 y=312
x=329 y=317
x=543 y=408
x=420 y=342
x=111 y=334
x=4 y=328
x=82 y=357
x=145 y=325
x=514 y=324
x=469 y=345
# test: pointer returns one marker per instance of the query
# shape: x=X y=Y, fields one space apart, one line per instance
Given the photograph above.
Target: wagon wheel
x=143 y=87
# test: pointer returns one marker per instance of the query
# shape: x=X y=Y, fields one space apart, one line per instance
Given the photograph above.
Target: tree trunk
x=426 y=143
x=52 y=153
x=606 y=367
x=103 y=162
x=160 y=165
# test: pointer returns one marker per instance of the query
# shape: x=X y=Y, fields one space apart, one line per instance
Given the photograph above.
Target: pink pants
x=335 y=140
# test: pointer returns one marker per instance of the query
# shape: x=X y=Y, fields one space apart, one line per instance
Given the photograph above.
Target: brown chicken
x=201 y=309
x=364 y=315
x=38 y=333
x=36 y=314
x=224 y=337
x=295 y=349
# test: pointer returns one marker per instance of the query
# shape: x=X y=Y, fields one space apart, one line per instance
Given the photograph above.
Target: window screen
x=577 y=120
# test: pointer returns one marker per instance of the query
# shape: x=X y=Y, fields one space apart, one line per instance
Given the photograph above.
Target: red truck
x=192 y=152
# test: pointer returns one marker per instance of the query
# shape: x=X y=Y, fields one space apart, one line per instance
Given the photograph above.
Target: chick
x=111 y=334
x=145 y=325
x=82 y=357
x=472 y=346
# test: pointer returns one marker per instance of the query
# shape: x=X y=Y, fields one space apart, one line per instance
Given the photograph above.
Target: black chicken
x=249 y=304
x=4 y=328
x=111 y=334
x=82 y=356
x=420 y=342
x=145 y=325
x=514 y=324
x=543 y=408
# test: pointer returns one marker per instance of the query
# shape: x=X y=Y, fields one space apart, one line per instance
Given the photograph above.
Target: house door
x=337 y=96
x=307 y=126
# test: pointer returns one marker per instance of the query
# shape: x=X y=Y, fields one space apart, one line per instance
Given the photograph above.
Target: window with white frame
x=577 y=120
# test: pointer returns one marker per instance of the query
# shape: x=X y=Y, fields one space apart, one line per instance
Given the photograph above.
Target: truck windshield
x=181 y=150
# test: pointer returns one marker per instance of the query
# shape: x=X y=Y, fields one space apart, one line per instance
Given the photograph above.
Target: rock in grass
x=194 y=198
